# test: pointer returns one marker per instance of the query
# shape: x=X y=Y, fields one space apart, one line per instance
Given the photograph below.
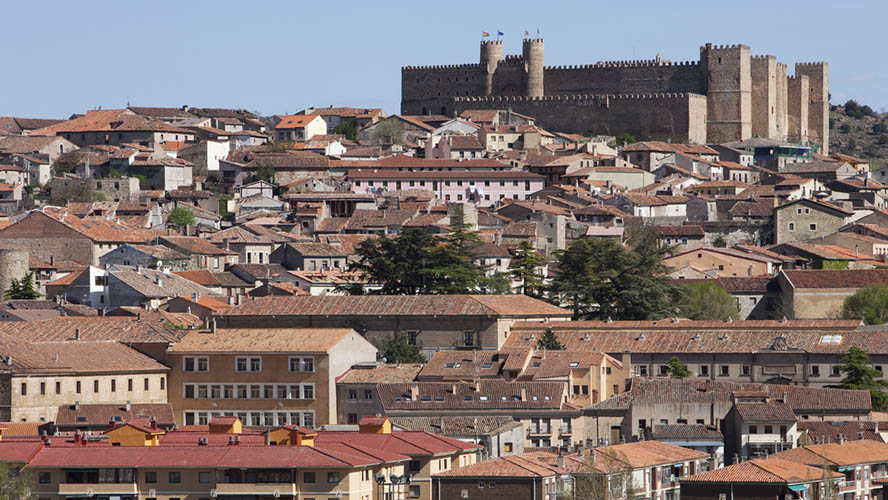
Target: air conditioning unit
x=213 y=493
x=276 y=493
x=89 y=492
x=152 y=493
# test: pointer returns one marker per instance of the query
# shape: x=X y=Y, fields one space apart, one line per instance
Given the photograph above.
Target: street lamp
x=392 y=490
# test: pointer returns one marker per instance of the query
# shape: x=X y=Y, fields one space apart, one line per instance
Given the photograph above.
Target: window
x=308 y=477
x=301 y=364
x=469 y=338
x=753 y=429
x=368 y=395
x=815 y=371
x=332 y=477
x=129 y=385
x=412 y=336
x=704 y=370
x=175 y=477
x=643 y=370
x=769 y=429
x=151 y=477
x=664 y=370
x=113 y=386
x=352 y=395
x=791 y=226
x=244 y=364
x=835 y=371
x=745 y=370
x=162 y=383
x=203 y=477
x=414 y=491
x=724 y=370
x=24 y=388
x=95 y=386
x=481 y=484
x=308 y=391
x=45 y=477
x=196 y=364
x=58 y=387
x=812 y=227
x=146 y=384
x=77 y=387
x=43 y=388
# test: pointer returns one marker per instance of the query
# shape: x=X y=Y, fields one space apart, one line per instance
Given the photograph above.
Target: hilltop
x=859 y=131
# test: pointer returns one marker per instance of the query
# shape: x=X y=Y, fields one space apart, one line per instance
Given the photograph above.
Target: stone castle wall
x=745 y=96
x=669 y=117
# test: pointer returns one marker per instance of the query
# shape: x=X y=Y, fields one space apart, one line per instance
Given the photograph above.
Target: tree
x=625 y=139
x=15 y=484
x=388 y=131
x=845 y=128
x=181 y=217
x=526 y=268
x=677 y=369
x=859 y=374
x=607 y=475
x=720 y=242
x=397 y=349
x=23 y=289
x=346 y=128
x=706 y=301
x=549 y=341
x=600 y=279
x=869 y=304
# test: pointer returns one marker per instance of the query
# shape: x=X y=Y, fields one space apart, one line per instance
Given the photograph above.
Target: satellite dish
x=159 y=264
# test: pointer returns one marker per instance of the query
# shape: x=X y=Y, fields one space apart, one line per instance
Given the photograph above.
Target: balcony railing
x=538 y=431
x=852 y=484
x=272 y=489
x=91 y=489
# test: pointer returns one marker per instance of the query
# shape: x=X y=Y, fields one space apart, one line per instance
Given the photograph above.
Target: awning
x=798 y=487
x=843 y=469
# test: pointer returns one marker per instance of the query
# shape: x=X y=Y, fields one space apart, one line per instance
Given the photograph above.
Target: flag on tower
x=526 y=33
x=485 y=34
x=499 y=33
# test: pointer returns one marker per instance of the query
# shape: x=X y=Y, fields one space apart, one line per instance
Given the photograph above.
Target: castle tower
x=533 y=67
x=818 y=102
x=797 y=108
x=728 y=92
x=763 y=70
x=491 y=55
x=782 y=99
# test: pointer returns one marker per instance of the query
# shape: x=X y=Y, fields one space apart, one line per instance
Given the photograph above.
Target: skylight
x=831 y=339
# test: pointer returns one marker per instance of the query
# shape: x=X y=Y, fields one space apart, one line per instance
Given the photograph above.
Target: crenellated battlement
x=809 y=64
x=576 y=97
x=624 y=64
x=513 y=58
x=710 y=46
x=441 y=67
x=491 y=42
x=763 y=57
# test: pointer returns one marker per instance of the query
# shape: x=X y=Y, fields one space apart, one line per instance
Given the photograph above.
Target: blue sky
x=277 y=57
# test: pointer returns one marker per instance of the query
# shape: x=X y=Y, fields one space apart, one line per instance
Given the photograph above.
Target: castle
x=728 y=95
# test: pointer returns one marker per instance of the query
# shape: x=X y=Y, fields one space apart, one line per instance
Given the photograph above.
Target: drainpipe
x=534 y=489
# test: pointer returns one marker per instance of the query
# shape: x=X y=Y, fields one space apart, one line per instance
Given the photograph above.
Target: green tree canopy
x=859 y=374
x=23 y=289
x=625 y=139
x=416 y=262
x=549 y=341
x=869 y=304
x=706 y=301
x=397 y=349
x=677 y=369
x=15 y=484
x=600 y=278
x=346 y=128
x=181 y=217
x=526 y=268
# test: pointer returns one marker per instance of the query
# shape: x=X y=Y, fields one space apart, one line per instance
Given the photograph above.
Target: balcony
x=533 y=431
x=565 y=431
x=271 y=489
x=848 y=485
x=93 y=489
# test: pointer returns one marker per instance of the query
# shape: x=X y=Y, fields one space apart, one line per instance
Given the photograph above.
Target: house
x=457 y=147
x=627 y=177
x=819 y=256
x=201 y=306
x=359 y=117
x=483 y=188
x=265 y=377
x=491 y=432
x=52 y=146
x=41 y=376
x=256 y=188
x=822 y=170
x=821 y=293
x=146 y=256
x=758 y=426
x=203 y=253
x=299 y=127
x=682 y=238
x=528 y=475
x=311 y=256
x=643 y=205
x=725 y=262
x=704 y=438
x=123 y=286
x=472 y=321
x=770 y=477
x=331 y=282
x=250 y=247
x=805 y=219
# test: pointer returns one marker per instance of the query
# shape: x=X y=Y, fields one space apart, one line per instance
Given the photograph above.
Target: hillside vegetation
x=857 y=130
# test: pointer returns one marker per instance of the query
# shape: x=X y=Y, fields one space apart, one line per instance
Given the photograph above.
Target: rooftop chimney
x=414 y=392
x=129 y=406
x=213 y=325
x=523 y=393
x=77 y=334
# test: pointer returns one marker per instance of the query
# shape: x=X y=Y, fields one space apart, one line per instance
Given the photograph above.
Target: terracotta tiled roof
x=411 y=305
x=491 y=394
x=765 y=412
x=191 y=245
x=838 y=454
x=835 y=278
x=688 y=432
x=762 y=471
x=828 y=432
x=319 y=340
x=150 y=328
x=381 y=373
x=76 y=357
x=102 y=414
x=526 y=465
x=295 y=121
x=692 y=230
x=456 y=426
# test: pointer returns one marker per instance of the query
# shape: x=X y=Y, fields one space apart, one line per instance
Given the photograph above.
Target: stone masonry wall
x=676 y=117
